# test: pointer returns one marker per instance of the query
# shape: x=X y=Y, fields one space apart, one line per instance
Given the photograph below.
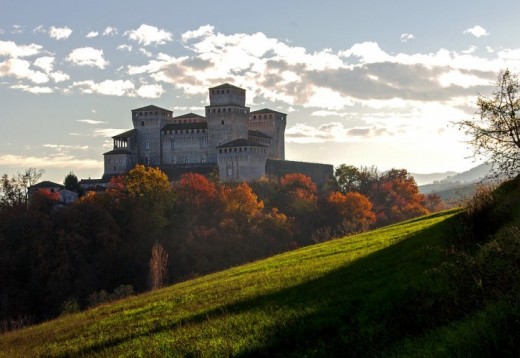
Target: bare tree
x=158 y=266
x=496 y=136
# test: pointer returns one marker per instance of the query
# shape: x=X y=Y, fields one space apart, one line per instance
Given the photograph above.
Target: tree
x=71 y=183
x=15 y=190
x=496 y=137
x=352 y=211
x=158 y=266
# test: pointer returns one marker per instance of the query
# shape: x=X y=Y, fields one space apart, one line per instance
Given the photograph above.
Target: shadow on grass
x=356 y=310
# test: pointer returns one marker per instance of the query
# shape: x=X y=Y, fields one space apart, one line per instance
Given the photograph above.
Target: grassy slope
x=319 y=300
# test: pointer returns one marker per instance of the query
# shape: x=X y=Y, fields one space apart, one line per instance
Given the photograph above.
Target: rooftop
x=151 y=108
x=241 y=143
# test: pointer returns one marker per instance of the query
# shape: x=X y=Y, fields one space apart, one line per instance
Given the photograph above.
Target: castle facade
x=230 y=138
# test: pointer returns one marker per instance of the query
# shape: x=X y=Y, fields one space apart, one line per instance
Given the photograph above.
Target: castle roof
x=224 y=86
x=189 y=115
x=240 y=143
x=125 y=134
x=118 y=151
x=266 y=110
x=46 y=184
x=257 y=134
x=151 y=108
x=182 y=126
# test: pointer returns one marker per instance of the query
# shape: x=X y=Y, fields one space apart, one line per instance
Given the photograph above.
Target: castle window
x=203 y=158
x=142 y=123
x=186 y=159
x=227 y=91
x=172 y=144
x=218 y=110
x=147 y=145
x=173 y=159
x=222 y=122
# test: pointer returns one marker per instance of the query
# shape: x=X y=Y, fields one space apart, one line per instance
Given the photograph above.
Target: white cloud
x=477 y=31
x=331 y=132
x=108 y=132
x=90 y=121
x=110 y=31
x=11 y=49
x=406 y=37
x=20 y=69
x=150 y=91
x=61 y=160
x=59 y=33
x=145 y=52
x=46 y=63
x=458 y=78
x=17 y=29
x=92 y=34
x=65 y=147
x=124 y=47
x=33 y=89
x=107 y=87
x=59 y=76
x=203 y=31
x=87 y=56
x=147 y=35
x=40 y=29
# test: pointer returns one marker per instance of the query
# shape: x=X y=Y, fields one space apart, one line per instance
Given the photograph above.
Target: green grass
x=344 y=297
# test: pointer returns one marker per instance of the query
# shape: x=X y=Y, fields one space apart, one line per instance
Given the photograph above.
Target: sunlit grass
x=305 y=295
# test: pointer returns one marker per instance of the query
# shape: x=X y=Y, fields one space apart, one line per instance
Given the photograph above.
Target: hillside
x=374 y=293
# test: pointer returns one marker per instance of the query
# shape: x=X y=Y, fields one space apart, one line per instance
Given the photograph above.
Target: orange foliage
x=353 y=208
x=195 y=190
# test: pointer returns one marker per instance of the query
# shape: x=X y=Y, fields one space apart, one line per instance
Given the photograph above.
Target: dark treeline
x=144 y=231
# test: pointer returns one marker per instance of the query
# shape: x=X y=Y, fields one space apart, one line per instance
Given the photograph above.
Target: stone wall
x=319 y=173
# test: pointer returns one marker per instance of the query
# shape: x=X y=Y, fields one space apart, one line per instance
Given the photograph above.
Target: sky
x=365 y=83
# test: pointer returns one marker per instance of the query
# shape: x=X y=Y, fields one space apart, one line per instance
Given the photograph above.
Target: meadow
x=350 y=295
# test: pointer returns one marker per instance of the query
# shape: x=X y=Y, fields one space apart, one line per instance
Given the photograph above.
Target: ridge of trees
x=144 y=231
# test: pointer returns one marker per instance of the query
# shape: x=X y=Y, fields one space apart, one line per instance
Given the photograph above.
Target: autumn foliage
x=144 y=231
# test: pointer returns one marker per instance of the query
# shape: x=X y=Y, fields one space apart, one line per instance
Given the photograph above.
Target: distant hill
x=453 y=187
x=423 y=179
x=470 y=176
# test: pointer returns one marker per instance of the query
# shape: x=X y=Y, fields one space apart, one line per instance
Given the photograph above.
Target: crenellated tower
x=227 y=117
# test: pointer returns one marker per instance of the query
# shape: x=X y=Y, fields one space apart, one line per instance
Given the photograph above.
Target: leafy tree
x=15 y=190
x=396 y=197
x=352 y=211
x=71 y=182
x=146 y=182
x=496 y=136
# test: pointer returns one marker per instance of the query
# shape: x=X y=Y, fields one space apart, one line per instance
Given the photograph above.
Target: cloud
x=11 y=49
x=92 y=34
x=59 y=33
x=147 y=35
x=20 y=69
x=330 y=132
x=150 y=91
x=17 y=29
x=107 y=87
x=406 y=37
x=203 y=31
x=477 y=31
x=119 y=88
x=87 y=56
x=110 y=31
x=65 y=147
x=107 y=132
x=60 y=160
x=125 y=47
x=33 y=89
x=46 y=63
x=90 y=121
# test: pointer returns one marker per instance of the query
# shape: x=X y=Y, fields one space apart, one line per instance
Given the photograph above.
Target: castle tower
x=273 y=124
x=227 y=116
x=148 y=122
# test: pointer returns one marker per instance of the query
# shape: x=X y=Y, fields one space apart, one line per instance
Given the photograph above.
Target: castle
x=241 y=145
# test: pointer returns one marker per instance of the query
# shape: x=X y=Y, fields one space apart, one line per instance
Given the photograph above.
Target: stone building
x=230 y=138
